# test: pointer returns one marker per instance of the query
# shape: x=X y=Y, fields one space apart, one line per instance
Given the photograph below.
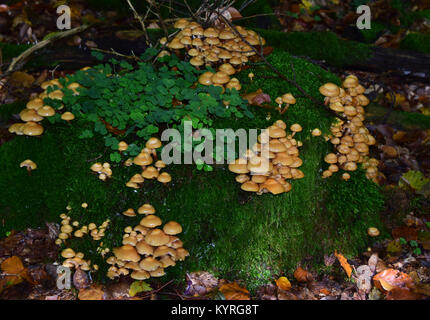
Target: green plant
x=134 y=103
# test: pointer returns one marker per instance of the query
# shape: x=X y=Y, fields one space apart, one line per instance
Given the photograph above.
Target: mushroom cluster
x=145 y=159
x=76 y=259
x=350 y=138
x=214 y=46
x=69 y=229
x=268 y=164
x=286 y=99
x=36 y=109
x=147 y=250
x=103 y=170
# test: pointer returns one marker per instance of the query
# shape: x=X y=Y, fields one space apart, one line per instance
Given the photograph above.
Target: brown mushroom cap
x=330 y=158
x=137 y=178
x=30 y=115
x=46 y=111
x=126 y=253
x=143 y=159
x=373 y=232
x=146 y=209
x=129 y=212
x=227 y=68
x=35 y=103
x=67 y=116
x=249 y=186
x=181 y=253
x=288 y=98
x=157 y=273
x=150 y=264
x=296 y=127
x=16 y=128
x=181 y=23
x=156 y=237
x=144 y=249
x=140 y=275
x=329 y=90
x=197 y=61
x=164 y=177
x=151 y=221
x=220 y=78
x=150 y=173
x=238 y=166
x=172 y=228
x=32 y=129
x=160 y=164
x=350 y=81
x=68 y=253
x=167 y=261
x=153 y=143
x=242 y=178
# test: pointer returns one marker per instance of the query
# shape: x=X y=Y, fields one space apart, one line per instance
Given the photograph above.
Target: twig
x=112 y=51
x=142 y=24
x=59 y=35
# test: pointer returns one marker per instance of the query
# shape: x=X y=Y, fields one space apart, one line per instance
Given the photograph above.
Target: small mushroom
x=29 y=164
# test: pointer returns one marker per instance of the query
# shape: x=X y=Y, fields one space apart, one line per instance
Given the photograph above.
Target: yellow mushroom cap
x=46 y=111
x=220 y=78
x=249 y=186
x=140 y=275
x=373 y=232
x=129 y=212
x=144 y=249
x=227 y=68
x=181 y=253
x=150 y=264
x=30 y=115
x=32 y=129
x=122 y=146
x=164 y=177
x=288 y=98
x=329 y=90
x=68 y=253
x=28 y=164
x=143 y=159
x=157 y=273
x=150 y=173
x=316 y=132
x=35 y=104
x=156 y=237
x=296 y=127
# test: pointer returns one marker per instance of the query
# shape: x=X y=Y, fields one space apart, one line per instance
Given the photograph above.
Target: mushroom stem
x=29 y=171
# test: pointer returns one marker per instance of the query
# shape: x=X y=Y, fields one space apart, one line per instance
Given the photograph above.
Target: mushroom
x=29 y=164
x=164 y=178
x=126 y=253
x=288 y=99
x=150 y=221
x=129 y=212
x=156 y=237
x=172 y=228
x=67 y=116
x=373 y=232
x=146 y=209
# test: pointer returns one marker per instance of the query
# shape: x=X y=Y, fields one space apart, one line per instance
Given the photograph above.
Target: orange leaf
x=283 y=283
x=12 y=265
x=402 y=294
x=302 y=275
x=232 y=291
x=344 y=263
x=9 y=281
x=92 y=293
x=389 y=279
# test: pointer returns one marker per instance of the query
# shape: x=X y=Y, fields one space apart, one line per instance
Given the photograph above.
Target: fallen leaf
x=413 y=179
x=23 y=79
x=402 y=294
x=391 y=278
x=137 y=287
x=12 y=265
x=232 y=291
x=92 y=293
x=407 y=233
x=344 y=263
x=302 y=275
x=283 y=283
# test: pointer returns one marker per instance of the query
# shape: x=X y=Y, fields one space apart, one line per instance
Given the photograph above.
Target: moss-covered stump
x=228 y=231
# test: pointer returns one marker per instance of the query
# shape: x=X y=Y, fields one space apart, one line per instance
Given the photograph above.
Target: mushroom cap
x=316 y=132
x=220 y=78
x=129 y=240
x=122 y=146
x=164 y=177
x=346 y=176
x=16 y=128
x=272 y=186
x=30 y=115
x=172 y=228
x=330 y=158
x=129 y=212
x=211 y=32
x=276 y=146
x=150 y=264
x=146 y=209
x=174 y=242
x=226 y=35
x=227 y=68
x=132 y=185
x=181 y=253
x=28 y=164
x=67 y=116
x=329 y=90
x=242 y=178
x=126 y=253
x=46 y=111
x=68 y=253
x=156 y=237
x=238 y=166
x=175 y=44
x=35 y=104
x=181 y=23
x=150 y=173
x=373 y=232
x=160 y=164
x=249 y=186
x=350 y=81
x=281 y=124
x=157 y=273
x=144 y=249
x=206 y=78
x=296 y=127
x=259 y=165
x=197 y=61
x=153 y=143
x=167 y=261
x=151 y=221
x=276 y=132
x=140 y=275
x=32 y=129
x=234 y=84
x=163 y=251
x=56 y=95
x=288 y=98
x=143 y=159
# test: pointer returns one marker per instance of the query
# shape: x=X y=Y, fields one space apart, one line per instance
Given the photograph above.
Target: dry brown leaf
x=407 y=233
x=232 y=291
x=23 y=79
x=402 y=294
x=302 y=275
x=391 y=278
x=283 y=283
x=12 y=265
x=344 y=263
x=92 y=293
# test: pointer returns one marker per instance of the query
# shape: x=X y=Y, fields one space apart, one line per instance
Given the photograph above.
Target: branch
x=142 y=24
x=42 y=44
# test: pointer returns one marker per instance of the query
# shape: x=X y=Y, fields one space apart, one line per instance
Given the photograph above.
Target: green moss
x=325 y=46
x=235 y=234
x=10 y=50
x=419 y=42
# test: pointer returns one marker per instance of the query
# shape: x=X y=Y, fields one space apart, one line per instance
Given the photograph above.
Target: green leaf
x=115 y=157
x=413 y=179
x=137 y=287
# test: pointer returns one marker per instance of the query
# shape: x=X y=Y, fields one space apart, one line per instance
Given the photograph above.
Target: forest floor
x=397 y=268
